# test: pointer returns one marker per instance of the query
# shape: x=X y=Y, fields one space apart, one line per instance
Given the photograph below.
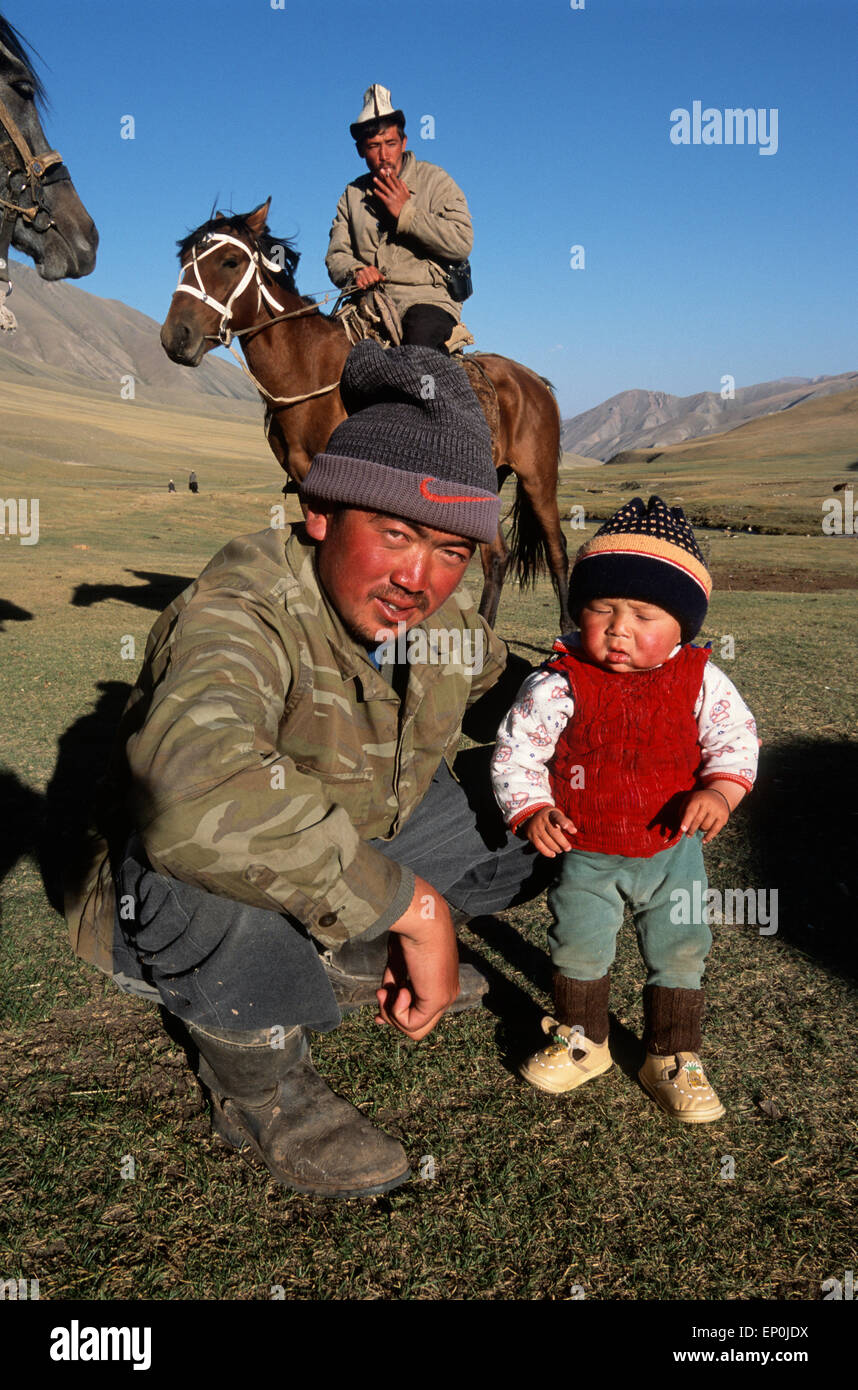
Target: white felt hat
x=376 y=104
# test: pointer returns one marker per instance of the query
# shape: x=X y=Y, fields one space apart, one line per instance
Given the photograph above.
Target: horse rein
x=34 y=169
x=22 y=169
x=256 y=261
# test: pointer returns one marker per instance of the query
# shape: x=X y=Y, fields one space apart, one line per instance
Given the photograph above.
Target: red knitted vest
x=634 y=745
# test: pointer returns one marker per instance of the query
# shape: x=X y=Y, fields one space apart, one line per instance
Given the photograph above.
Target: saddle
x=371 y=316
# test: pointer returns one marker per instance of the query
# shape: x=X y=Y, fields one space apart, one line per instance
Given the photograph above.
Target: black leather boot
x=270 y=1098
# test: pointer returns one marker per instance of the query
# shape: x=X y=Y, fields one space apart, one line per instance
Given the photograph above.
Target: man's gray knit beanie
x=415 y=445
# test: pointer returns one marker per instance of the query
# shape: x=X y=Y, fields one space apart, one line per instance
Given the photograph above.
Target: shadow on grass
x=156 y=593
x=53 y=826
x=83 y=754
x=11 y=613
x=802 y=829
x=23 y=813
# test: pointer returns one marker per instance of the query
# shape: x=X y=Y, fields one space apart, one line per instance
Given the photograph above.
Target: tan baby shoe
x=569 y=1061
x=678 y=1084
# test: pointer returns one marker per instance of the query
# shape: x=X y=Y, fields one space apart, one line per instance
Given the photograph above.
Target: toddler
x=625 y=751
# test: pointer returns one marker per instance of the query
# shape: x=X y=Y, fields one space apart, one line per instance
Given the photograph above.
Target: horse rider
x=404 y=226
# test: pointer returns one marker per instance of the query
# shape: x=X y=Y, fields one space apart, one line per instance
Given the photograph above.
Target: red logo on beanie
x=437 y=497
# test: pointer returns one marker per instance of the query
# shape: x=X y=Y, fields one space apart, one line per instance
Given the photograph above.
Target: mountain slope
x=643 y=419
x=65 y=327
x=778 y=474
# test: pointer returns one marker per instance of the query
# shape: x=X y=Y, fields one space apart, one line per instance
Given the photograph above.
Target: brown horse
x=237 y=280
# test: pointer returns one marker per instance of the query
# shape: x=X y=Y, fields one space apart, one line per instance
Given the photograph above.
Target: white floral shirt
x=528 y=737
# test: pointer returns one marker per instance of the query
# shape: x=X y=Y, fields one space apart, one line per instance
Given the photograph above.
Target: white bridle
x=255 y=261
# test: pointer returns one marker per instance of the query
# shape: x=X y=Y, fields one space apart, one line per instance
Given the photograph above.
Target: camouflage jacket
x=261 y=749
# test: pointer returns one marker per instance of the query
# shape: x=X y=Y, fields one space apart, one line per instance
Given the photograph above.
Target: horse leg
x=292 y=458
x=495 y=557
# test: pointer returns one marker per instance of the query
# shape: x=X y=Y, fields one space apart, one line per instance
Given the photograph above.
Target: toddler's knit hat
x=415 y=444
x=645 y=552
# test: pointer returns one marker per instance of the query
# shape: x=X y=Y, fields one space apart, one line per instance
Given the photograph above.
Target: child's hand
x=545 y=829
x=704 y=810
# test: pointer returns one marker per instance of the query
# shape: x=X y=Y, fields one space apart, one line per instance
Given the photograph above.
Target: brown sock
x=672 y=1019
x=585 y=1003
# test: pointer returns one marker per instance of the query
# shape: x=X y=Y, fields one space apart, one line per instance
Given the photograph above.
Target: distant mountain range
x=67 y=328
x=66 y=333
x=641 y=419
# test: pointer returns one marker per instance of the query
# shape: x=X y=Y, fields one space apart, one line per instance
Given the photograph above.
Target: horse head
x=233 y=273
x=40 y=212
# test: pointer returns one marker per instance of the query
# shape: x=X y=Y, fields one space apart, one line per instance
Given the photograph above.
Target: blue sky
x=700 y=260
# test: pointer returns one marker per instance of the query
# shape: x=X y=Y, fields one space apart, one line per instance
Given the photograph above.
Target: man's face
x=384 y=152
x=625 y=635
x=379 y=571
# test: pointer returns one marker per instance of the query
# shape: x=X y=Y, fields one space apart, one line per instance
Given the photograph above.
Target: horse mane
x=264 y=240
x=14 y=44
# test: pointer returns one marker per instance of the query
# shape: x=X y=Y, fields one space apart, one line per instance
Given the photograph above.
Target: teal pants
x=587 y=905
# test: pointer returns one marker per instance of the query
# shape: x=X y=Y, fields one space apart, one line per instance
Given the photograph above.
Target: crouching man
x=287 y=831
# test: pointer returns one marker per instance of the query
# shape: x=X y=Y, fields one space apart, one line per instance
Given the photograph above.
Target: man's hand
x=545 y=830
x=368 y=275
x=422 y=975
x=390 y=191
x=709 y=808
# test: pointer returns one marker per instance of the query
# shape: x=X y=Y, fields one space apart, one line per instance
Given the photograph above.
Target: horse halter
x=24 y=169
x=255 y=261
x=225 y=335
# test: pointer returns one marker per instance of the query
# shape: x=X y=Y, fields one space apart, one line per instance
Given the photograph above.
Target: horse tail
x=526 y=541
x=528 y=549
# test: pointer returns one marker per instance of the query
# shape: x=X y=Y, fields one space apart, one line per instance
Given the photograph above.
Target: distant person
x=192 y=482
x=171 y=486
x=399 y=225
x=626 y=748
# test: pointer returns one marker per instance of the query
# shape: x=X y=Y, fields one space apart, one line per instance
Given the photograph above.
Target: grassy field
x=515 y=1194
